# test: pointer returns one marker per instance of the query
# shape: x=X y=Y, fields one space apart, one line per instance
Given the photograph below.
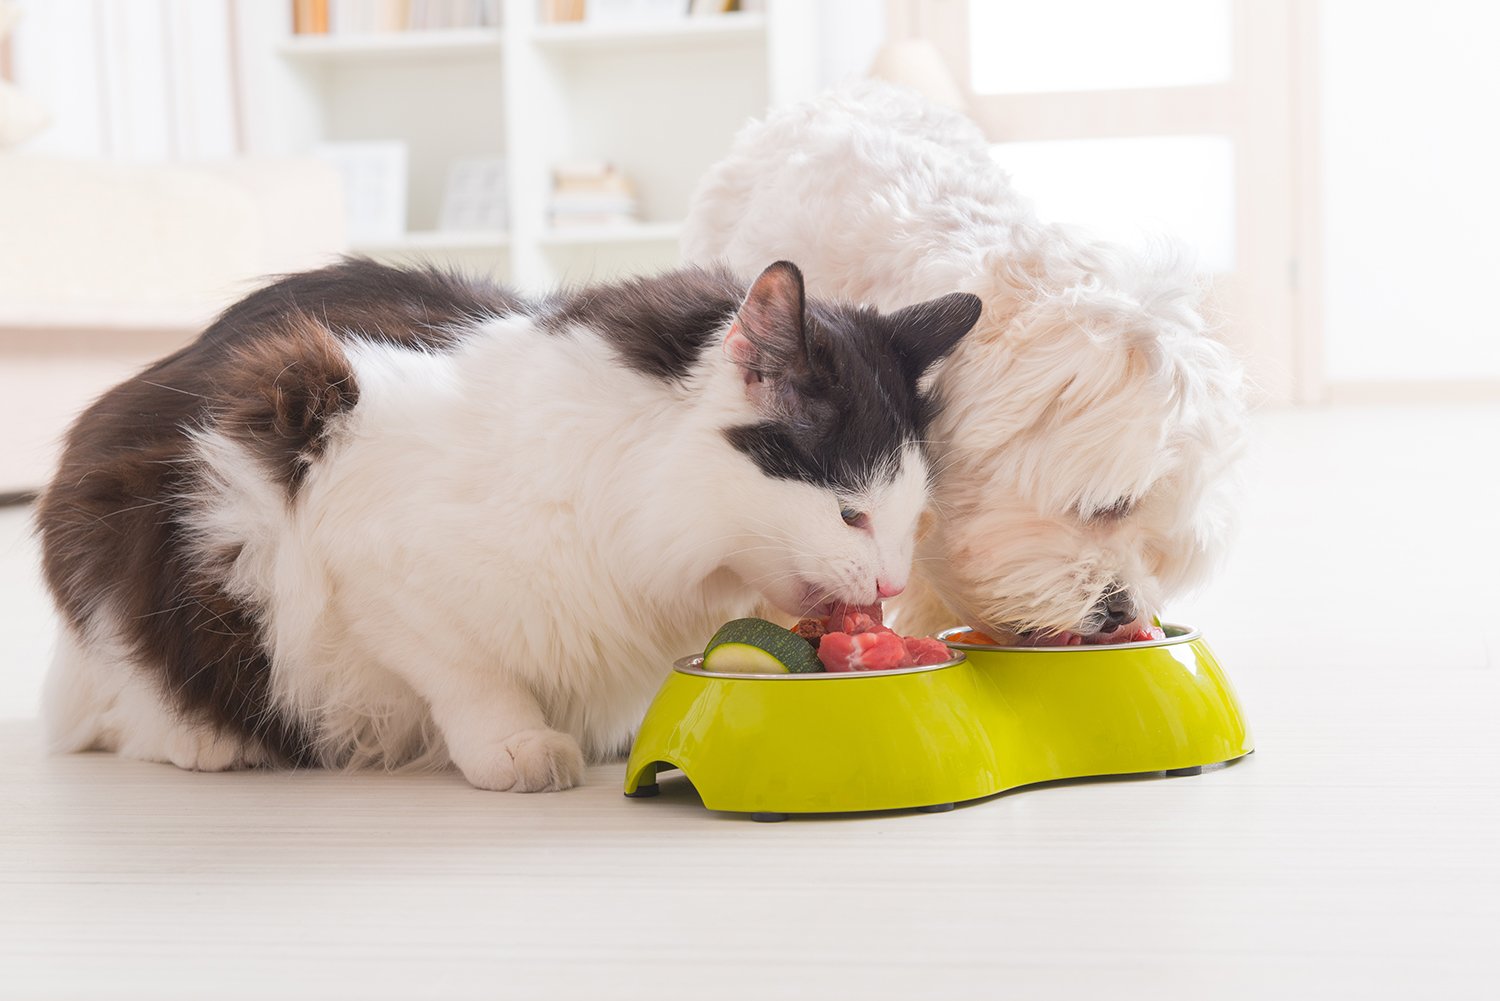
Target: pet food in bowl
x=846 y=640
x=987 y=719
x=1130 y=633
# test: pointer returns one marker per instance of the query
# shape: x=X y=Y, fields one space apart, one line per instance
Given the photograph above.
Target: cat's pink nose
x=886 y=589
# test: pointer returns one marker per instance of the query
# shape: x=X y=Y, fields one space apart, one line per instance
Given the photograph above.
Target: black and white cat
x=380 y=517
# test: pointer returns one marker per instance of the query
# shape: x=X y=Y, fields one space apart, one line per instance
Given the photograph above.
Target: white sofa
x=107 y=266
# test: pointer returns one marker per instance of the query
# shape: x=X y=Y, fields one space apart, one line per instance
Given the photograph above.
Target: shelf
x=661 y=96
x=395 y=44
x=641 y=232
x=577 y=37
x=434 y=239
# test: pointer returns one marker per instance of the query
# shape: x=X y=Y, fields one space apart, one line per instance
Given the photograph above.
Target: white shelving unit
x=661 y=100
x=439 y=240
x=688 y=31
x=395 y=45
x=641 y=233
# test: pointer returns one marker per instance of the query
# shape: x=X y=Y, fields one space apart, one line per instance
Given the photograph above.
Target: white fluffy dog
x=1089 y=426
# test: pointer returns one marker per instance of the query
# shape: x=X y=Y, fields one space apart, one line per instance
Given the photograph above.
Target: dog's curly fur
x=1090 y=426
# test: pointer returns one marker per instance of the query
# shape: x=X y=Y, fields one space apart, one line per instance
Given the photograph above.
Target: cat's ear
x=766 y=340
x=929 y=330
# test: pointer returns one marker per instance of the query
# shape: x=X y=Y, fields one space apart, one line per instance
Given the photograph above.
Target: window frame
x=1267 y=108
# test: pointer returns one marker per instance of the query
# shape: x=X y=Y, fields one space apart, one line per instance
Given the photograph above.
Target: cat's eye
x=853 y=518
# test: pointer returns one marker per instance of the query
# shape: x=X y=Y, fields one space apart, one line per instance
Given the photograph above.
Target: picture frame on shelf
x=374 y=177
x=474 y=195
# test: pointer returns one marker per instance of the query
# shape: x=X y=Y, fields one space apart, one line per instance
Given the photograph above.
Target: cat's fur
x=376 y=516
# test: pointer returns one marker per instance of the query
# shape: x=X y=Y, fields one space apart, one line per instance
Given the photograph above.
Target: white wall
x=1411 y=201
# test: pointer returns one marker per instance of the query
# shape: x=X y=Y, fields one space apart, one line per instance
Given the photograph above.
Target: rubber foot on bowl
x=937 y=808
x=768 y=818
x=645 y=792
x=1179 y=772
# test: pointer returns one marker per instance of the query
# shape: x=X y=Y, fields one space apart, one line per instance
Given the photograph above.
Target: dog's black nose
x=1118 y=608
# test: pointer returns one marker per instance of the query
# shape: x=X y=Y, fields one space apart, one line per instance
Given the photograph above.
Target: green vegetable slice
x=755 y=646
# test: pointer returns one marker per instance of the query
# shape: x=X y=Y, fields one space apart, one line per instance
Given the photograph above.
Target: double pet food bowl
x=993 y=718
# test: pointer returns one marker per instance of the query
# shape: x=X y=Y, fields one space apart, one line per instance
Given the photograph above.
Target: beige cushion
x=85 y=238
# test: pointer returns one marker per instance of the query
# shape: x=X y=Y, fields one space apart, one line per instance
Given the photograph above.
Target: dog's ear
x=929 y=330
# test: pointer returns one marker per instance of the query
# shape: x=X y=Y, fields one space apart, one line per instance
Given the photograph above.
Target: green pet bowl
x=994 y=718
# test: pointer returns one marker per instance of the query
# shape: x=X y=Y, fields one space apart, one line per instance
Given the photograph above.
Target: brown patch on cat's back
x=657 y=325
x=420 y=308
x=118 y=551
x=282 y=392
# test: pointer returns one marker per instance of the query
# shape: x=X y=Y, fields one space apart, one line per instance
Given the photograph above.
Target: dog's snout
x=1117 y=607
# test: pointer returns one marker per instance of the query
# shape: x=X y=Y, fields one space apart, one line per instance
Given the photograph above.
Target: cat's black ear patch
x=926 y=332
x=767 y=339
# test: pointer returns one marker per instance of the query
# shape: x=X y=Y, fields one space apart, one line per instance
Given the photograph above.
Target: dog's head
x=1085 y=450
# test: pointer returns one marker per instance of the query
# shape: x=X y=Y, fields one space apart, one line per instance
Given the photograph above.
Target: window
x=1022 y=46
x=1151 y=118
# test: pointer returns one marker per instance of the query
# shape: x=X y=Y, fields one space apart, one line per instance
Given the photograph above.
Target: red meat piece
x=856 y=619
x=1128 y=634
x=866 y=651
x=836 y=651
x=926 y=650
x=857 y=640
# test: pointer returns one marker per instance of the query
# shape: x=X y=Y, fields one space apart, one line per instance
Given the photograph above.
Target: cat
x=388 y=517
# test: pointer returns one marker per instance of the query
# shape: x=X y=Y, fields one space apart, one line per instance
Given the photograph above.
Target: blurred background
x=1331 y=162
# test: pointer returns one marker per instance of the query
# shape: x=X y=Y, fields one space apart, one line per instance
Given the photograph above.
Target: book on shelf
x=595 y=220
x=364 y=17
x=627 y=12
x=591 y=193
x=703 y=8
x=588 y=175
x=561 y=11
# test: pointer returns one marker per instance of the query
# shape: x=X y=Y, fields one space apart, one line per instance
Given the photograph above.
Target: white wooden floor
x=1354 y=855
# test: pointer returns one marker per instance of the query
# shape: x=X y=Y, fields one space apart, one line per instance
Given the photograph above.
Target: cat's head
x=833 y=476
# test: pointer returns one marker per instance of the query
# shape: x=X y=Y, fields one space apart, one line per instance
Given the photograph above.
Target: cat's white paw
x=528 y=761
x=189 y=747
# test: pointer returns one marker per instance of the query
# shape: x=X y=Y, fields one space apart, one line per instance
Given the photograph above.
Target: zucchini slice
x=755 y=646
